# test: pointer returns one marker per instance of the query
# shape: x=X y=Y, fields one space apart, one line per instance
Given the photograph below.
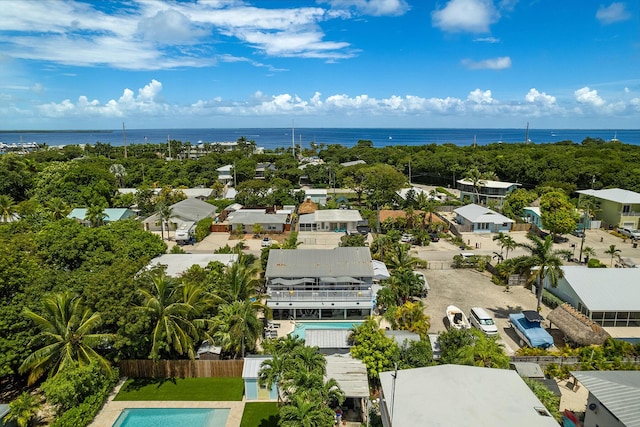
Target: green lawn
x=215 y=389
x=260 y=414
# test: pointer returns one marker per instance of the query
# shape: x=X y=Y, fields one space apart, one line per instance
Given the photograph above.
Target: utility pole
x=293 y=139
x=169 y=144
x=124 y=135
x=409 y=171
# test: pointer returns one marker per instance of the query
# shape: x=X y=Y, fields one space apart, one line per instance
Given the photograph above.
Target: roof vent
x=542 y=411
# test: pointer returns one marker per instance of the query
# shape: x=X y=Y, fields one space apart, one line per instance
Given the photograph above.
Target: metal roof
x=336 y=262
x=111 y=214
x=618 y=391
x=605 y=289
x=327 y=338
x=331 y=215
x=187 y=210
x=459 y=395
x=487 y=183
x=400 y=336
x=350 y=373
x=251 y=367
x=179 y=263
x=476 y=213
x=617 y=195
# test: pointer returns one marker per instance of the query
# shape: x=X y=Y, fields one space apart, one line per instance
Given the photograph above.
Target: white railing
x=320 y=295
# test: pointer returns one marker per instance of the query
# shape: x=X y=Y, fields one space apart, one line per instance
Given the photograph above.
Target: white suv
x=480 y=319
x=630 y=233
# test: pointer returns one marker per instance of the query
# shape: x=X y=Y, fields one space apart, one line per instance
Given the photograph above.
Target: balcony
x=320 y=296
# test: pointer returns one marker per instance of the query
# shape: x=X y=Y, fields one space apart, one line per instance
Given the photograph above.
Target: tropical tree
x=543 y=263
x=58 y=208
x=613 y=252
x=22 y=410
x=410 y=317
x=374 y=348
x=588 y=252
x=239 y=283
x=95 y=215
x=478 y=180
x=165 y=213
x=119 y=172
x=65 y=337
x=506 y=242
x=171 y=316
x=400 y=258
x=7 y=207
x=558 y=214
x=237 y=327
x=301 y=412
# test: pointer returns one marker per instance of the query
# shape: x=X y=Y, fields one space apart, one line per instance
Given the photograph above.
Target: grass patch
x=206 y=389
x=260 y=414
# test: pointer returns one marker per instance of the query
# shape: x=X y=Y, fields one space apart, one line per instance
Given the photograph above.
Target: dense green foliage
x=546 y=396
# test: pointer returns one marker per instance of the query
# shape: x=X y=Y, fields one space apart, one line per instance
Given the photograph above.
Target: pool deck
x=112 y=409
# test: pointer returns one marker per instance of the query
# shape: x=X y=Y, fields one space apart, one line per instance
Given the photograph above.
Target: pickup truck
x=630 y=233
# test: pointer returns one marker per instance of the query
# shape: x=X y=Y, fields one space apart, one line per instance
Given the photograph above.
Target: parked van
x=479 y=318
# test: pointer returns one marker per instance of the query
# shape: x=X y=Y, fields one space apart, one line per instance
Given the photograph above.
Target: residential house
x=486 y=192
x=201 y=193
x=177 y=264
x=225 y=174
x=264 y=169
x=353 y=163
x=351 y=376
x=339 y=220
x=457 y=395
x=250 y=373
x=482 y=220
x=614 y=398
x=320 y=283
x=316 y=195
x=270 y=222
x=184 y=211
x=111 y=215
x=532 y=215
x=617 y=207
x=606 y=296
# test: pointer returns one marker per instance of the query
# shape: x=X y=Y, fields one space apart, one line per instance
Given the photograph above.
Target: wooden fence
x=181 y=368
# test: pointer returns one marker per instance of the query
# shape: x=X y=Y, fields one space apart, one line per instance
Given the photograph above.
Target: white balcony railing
x=320 y=295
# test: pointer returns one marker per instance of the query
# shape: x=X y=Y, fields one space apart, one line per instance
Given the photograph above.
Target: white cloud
x=373 y=7
x=473 y=16
x=487 y=40
x=541 y=98
x=169 y=27
x=488 y=64
x=615 y=12
x=590 y=97
x=479 y=97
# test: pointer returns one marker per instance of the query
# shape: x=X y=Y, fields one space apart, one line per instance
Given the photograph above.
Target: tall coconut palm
x=506 y=242
x=240 y=282
x=165 y=213
x=543 y=262
x=173 y=329
x=65 y=337
x=95 y=215
x=613 y=252
x=7 y=207
x=400 y=258
x=118 y=172
x=237 y=327
x=58 y=208
x=277 y=370
x=477 y=180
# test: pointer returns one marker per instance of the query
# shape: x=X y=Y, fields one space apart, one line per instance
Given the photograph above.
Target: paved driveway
x=469 y=288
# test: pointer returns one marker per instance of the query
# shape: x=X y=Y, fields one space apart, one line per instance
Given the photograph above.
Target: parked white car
x=266 y=242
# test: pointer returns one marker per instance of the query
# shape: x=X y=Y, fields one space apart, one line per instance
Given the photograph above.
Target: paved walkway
x=112 y=409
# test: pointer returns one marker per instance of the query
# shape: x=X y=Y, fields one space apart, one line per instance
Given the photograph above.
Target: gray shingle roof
x=618 y=391
x=336 y=262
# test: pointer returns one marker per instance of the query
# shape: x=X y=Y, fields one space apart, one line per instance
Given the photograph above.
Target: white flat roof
x=617 y=195
x=456 y=395
x=487 y=183
x=605 y=289
x=179 y=263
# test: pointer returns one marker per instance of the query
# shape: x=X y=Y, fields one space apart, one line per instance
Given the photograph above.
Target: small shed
x=250 y=372
x=208 y=351
x=577 y=327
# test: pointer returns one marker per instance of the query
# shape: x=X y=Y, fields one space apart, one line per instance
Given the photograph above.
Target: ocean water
x=271 y=138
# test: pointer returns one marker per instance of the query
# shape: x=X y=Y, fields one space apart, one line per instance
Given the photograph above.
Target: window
x=626 y=209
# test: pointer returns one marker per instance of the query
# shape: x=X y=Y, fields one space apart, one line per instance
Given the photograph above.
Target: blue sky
x=325 y=63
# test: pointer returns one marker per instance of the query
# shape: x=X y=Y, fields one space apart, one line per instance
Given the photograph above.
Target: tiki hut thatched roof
x=307 y=207
x=577 y=327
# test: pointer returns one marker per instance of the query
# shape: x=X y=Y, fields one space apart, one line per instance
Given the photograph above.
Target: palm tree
x=173 y=329
x=58 y=208
x=506 y=242
x=165 y=213
x=303 y=413
x=119 y=172
x=588 y=252
x=65 y=337
x=95 y=215
x=237 y=327
x=543 y=262
x=401 y=259
x=614 y=252
x=240 y=282
x=277 y=370
x=7 y=207
x=22 y=410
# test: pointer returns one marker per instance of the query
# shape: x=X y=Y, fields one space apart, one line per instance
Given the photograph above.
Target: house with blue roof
x=111 y=215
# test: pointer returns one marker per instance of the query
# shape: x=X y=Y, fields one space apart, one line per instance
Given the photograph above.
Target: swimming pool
x=170 y=417
x=301 y=327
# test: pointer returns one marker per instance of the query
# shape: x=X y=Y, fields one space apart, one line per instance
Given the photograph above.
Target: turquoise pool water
x=171 y=417
x=301 y=327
